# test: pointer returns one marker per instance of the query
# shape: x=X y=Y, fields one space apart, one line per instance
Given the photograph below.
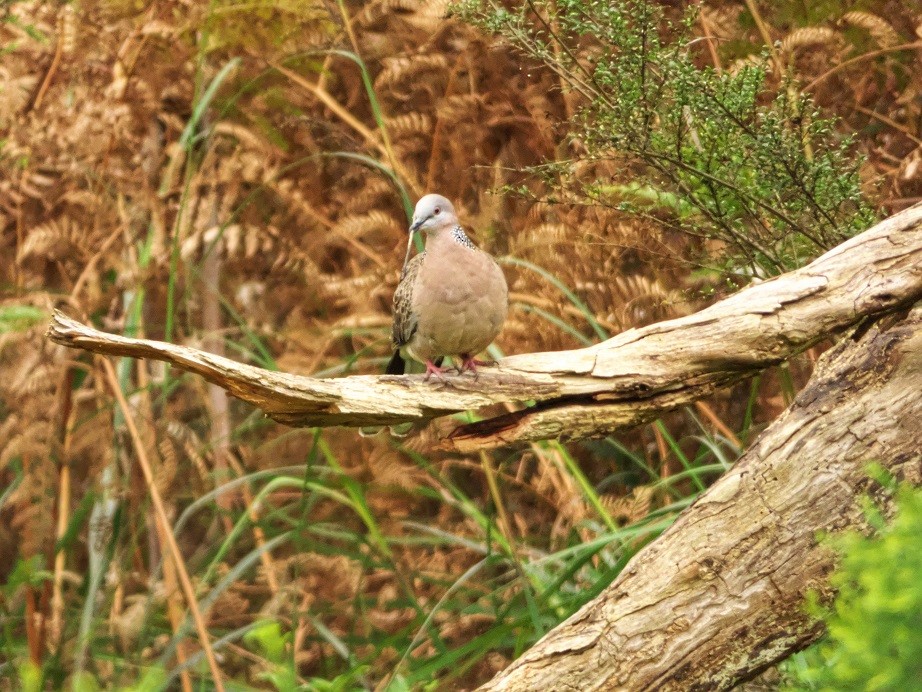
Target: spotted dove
x=452 y=298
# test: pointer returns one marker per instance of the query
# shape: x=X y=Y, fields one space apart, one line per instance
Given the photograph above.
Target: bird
x=452 y=298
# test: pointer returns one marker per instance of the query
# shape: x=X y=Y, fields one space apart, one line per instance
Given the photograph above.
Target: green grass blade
x=563 y=288
x=188 y=136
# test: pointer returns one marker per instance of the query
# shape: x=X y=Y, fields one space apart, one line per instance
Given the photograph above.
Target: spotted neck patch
x=459 y=236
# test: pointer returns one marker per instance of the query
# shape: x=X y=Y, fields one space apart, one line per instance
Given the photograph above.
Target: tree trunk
x=720 y=596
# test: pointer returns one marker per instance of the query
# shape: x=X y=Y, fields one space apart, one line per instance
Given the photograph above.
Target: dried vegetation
x=211 y=173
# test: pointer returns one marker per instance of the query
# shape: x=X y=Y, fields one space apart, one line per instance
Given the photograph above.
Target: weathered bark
x=720 y=596
x=626 y=380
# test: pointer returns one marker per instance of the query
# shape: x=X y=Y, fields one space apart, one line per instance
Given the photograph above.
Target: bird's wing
x=405 y=319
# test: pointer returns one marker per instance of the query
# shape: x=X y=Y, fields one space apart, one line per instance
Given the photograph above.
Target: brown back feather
x=405 y=320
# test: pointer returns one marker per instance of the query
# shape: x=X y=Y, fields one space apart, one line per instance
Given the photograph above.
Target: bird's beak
x=415 y=226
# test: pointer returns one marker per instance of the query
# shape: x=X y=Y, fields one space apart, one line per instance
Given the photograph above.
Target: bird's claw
x=433 y=369
x=469 y=363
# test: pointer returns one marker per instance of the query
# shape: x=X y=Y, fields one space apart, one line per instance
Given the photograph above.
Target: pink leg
x=470 y=363
x=433 y=369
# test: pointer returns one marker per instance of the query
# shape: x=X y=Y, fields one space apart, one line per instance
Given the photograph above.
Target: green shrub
x=718 y=155
x=874 y=639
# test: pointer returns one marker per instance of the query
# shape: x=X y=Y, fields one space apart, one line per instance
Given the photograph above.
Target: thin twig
x=185 y=582
x=889 y=121
x=709 y=39
x=861 y=58
x=259 y=536
x=708 y=413
x=66 y=414
x=49 y=75
x=327 y=99
x=765 y=34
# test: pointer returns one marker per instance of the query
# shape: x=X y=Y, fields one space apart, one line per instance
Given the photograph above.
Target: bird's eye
x=437 y=211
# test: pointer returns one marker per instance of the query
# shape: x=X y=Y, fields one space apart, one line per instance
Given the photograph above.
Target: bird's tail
x=397 y=364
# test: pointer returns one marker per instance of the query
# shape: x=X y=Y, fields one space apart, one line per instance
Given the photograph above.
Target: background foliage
x=875 y=637
x=765 y=177
x=236 y=176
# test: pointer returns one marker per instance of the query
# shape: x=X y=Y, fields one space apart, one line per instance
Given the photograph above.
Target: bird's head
x=433 y=213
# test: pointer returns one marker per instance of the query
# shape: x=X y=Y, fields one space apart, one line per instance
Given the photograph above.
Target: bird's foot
x=433 y=369
x=469 y=363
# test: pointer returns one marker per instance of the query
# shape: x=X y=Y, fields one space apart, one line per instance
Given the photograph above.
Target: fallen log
x=720 y=596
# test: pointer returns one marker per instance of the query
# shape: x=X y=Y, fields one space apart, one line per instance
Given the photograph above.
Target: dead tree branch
x=624 y=381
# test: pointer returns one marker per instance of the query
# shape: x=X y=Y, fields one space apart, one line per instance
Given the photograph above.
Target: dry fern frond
x=409 y=124
x=415 y=151
x=388 y=469
x=194 y=244
x=367 y=321
x=8 y=426
x=435 y=9
x=460 y=107
x=39 y=186
x=632 y=507
x=87 y=200
x=541 y=211
x=722 y=20
x=16 y=90
x=645 y=300
x=30 y=443
x=32 y=438
x=190 y=442
x=808 y=36
x=159 y=29
x=752 y=60
x=27 y=22
x=379 y=10
x=128 y=624
x=243 y=241
x=404 y=68
x=365 y=225
x=296 y=203
x=67 y=29
x=52 y=241
x=230 y=608
x=92 y=439
x=233 y=242
x=22 y=381
x=461 y=628
x=36 y=380
x=169 y=465
x=429 y=16
x=541 y=235
x=255 y=144
x=880 y=29
x=332 y=286
x=33 y=521
x=909 y=167
x=373 y=195
x=325 y=577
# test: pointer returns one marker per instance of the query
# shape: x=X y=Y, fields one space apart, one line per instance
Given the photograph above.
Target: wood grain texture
x=593 y=391
x=720 y=595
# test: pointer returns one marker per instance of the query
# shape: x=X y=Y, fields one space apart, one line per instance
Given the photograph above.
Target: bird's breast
x=461 y=300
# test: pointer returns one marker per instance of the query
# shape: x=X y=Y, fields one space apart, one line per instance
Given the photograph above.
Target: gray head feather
x=433 y=213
